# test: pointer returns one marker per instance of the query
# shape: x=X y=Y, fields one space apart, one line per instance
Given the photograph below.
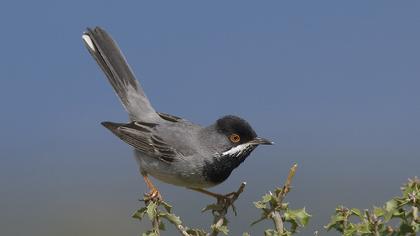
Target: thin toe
x=153 y=195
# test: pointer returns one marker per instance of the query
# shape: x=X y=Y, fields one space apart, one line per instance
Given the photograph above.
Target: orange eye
x=234 y=138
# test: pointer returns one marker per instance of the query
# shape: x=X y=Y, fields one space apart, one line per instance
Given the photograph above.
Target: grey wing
x=140 y=136
x=170 y=118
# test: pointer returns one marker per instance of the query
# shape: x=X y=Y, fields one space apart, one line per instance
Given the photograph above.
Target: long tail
x=111 y=60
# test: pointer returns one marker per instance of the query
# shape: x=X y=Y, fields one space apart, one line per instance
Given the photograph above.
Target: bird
x=167 y=147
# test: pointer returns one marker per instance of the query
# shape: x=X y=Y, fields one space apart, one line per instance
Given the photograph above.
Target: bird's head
x=234 y=141
x=241 y=139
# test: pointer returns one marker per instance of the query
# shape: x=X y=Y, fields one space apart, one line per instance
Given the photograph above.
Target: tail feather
x=113 y=63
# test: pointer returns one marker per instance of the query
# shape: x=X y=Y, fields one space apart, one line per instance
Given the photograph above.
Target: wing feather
x=139 y=135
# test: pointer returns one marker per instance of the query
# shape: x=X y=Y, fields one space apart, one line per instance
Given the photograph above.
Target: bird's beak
x=262 y=141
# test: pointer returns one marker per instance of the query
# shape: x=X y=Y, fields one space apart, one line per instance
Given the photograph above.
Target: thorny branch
x=405 y=209
x=219 y=219
x=157 y=210
x=272 y=207
x=275 y=215
x=181 y=229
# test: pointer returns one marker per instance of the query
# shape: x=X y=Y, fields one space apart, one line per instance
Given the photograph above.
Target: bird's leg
x=215 y=195
x=154 y=193
x=226 y=200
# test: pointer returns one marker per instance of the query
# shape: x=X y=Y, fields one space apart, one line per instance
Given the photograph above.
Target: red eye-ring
x=234 y=138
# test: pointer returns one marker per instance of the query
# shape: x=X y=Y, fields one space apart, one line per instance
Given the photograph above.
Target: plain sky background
x=336 y=85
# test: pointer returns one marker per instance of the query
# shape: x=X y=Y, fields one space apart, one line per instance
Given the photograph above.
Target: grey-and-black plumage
x=170 y=148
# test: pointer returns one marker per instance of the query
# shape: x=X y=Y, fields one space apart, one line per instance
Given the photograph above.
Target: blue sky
x=334 y=84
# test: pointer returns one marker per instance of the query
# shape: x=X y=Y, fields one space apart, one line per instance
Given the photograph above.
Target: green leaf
x=278 y=191
x=405 y=229
x=246 y=234
x=363 y=228
x=378 y=211
x=350 y=230
x=302 y=216
x=162 y=226
x=267 y=198
x=299 y=216
x=271 y=232
x=196 y=232
x=166 y=205
x=150 y=233
x=391 y=205
x=335 y=221
x=356 y=212
x=284 y=206
x=330 y=225
x=388 y=216
x=151 y=210
x=402 y=208
x=390 y=209
x=221 y=229
x=139 y=214
x=171 y=218
x=416 y=227
x=260 y=205
x=290 y=216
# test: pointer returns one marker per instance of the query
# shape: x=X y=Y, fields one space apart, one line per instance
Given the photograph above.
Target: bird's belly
x=180 y=173
x=184 y=181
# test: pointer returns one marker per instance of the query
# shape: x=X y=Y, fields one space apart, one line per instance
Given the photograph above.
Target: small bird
x=169 y=148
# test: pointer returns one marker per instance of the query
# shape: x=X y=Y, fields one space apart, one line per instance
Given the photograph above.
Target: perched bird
x=169 y=148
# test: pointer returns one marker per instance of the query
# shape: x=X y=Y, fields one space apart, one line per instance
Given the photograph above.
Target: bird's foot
x=220 y=197
x=154 y=196
x=224 y=200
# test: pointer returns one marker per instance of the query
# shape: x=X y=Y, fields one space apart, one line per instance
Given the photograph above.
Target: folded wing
x=140 y=136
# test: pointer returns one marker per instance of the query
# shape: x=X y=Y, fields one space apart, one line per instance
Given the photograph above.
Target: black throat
x=221 y=166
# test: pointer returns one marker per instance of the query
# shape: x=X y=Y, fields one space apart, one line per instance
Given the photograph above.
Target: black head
x=238 y=131
x=240 y=141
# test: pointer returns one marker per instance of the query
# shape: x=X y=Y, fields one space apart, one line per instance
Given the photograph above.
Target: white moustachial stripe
x=236 y=151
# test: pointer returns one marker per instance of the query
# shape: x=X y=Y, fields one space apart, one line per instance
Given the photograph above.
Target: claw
x=226 y=200
x=220 y=197
x=154 y=195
